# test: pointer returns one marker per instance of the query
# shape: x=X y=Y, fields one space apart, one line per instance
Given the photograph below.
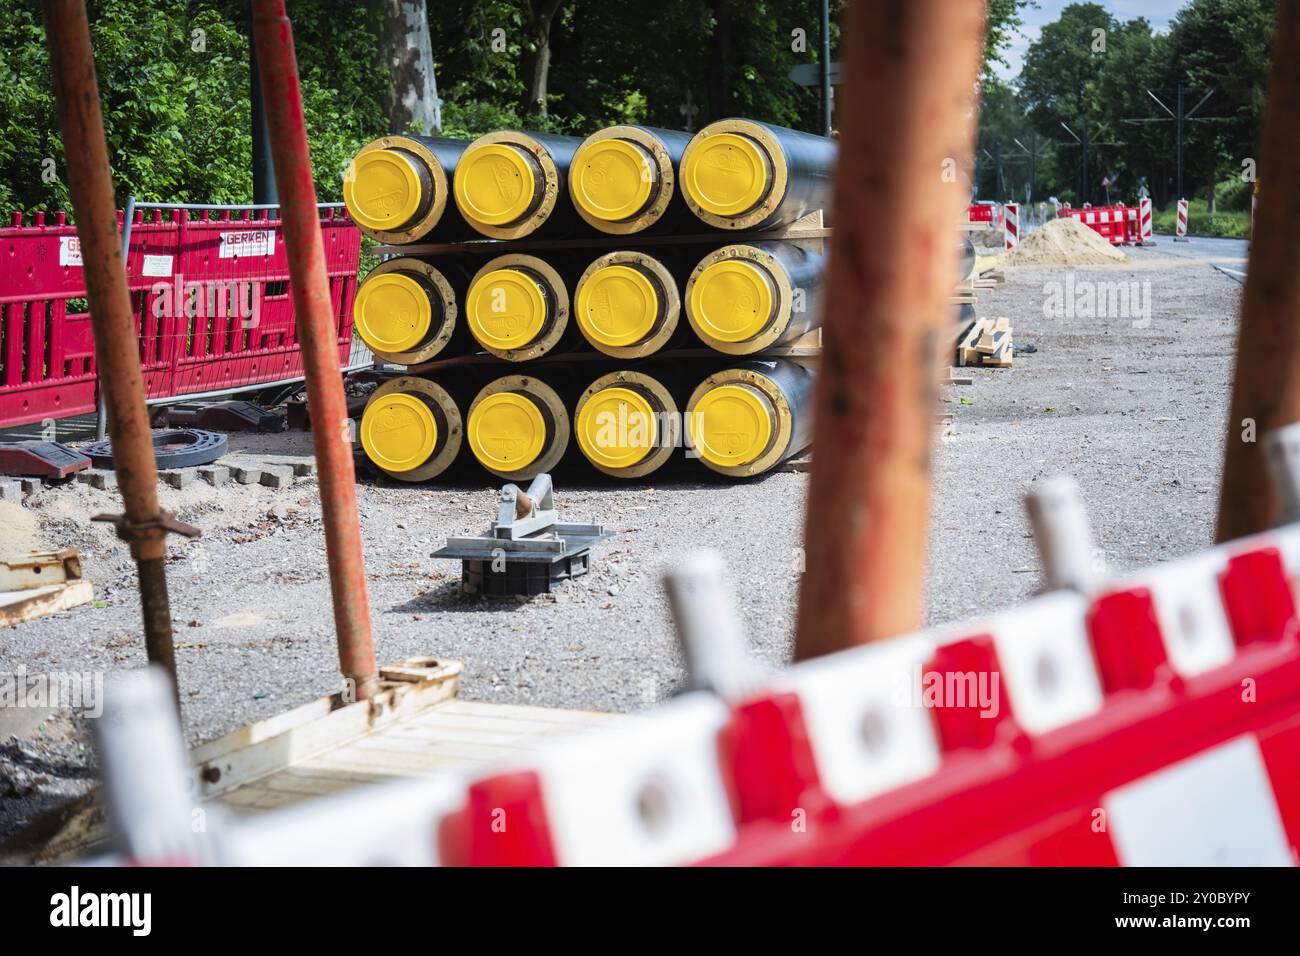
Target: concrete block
x=31 y=485
x=98 y=478
x=304 y=469
x=246 y=474
x=215 y=475
x=274 y=476
x=178 y=478
x=11 y=489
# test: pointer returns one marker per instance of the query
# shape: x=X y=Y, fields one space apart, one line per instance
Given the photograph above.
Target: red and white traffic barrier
x=1145 y=236
x=1110 y=222
x=1011 y=224
x=1149 y=720
x=1180 y=229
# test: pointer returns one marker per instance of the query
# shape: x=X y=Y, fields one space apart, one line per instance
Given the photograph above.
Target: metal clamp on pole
x=146 y=537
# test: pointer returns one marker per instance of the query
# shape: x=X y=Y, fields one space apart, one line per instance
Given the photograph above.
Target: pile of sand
x=19 y=531
x=1063 y=242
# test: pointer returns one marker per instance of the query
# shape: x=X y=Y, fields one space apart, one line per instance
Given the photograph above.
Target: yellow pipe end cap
x=392 y=312
x=617 y=305
x=731 y=301
x=506 y=431
x=610 y=180
x=398 y=432
x=494 y=184
x=382 y=189
x=726 y=174
x=617 y=428
x=505 y=309
x=731 y=425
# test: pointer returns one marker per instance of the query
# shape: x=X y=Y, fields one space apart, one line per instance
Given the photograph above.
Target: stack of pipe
x=614 y=299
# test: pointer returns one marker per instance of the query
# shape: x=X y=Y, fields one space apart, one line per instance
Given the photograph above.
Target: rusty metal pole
x=911 y=66
x=331 y=428
x=144 y=525
x=1266 y=387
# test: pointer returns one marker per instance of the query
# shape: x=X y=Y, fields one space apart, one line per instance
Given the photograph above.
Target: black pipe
x=398 y=189
x=624 y=179
x=743 y=174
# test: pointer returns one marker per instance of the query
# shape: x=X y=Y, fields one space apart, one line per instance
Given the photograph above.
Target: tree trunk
x=406 y=52
x=541 y=15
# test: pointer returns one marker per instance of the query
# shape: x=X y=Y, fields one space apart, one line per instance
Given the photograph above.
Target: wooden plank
x=32 y=603
x=264 y=748
x=525 y=712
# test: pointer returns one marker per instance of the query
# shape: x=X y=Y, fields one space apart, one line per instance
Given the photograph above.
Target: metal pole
x=827 y=126
x=144 y=525
x=264 y=192
x=331 y=428
x=1178 y=121
x=886 y=316
x=101 y=410
x=1083 y=166
x=1266 y=386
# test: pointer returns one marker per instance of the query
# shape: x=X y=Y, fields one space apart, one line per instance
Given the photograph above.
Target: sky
x=1158 y=13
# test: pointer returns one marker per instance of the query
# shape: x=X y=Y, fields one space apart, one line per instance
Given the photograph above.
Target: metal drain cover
x=172 y=448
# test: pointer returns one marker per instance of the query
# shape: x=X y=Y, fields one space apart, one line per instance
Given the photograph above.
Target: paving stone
x=304 y=469
x=98 y=478
x=246 y=474
x=178 y=478
x=31 y=485
x=215 y=475
x=274 y=476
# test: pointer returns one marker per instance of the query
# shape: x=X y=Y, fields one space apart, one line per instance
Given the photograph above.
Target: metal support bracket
x=133 y=532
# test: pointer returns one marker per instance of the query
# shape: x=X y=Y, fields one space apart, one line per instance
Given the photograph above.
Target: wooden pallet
x=986 y=342
x=412 y=726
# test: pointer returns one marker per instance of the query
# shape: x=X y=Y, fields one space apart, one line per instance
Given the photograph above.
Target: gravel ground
x=1135 y=414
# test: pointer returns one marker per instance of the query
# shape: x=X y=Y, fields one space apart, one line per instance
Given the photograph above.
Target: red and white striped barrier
x=1156 y=724
x=1180 y=229
x=1110 y=222
x=1149 y=720
x=1011 y=224
x=1145 y=236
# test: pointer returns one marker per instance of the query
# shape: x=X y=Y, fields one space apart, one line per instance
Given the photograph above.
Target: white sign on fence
x=157 y=266
x=247 y=242
x=69 y=251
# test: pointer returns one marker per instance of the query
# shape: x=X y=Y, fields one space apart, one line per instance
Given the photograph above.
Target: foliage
x=176 y=101
x=1097 y=84
x=1233 y=225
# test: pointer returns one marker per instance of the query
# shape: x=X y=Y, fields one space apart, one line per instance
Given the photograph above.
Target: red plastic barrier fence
x=210 y=296
x=1117 y=224
x=985 y=212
